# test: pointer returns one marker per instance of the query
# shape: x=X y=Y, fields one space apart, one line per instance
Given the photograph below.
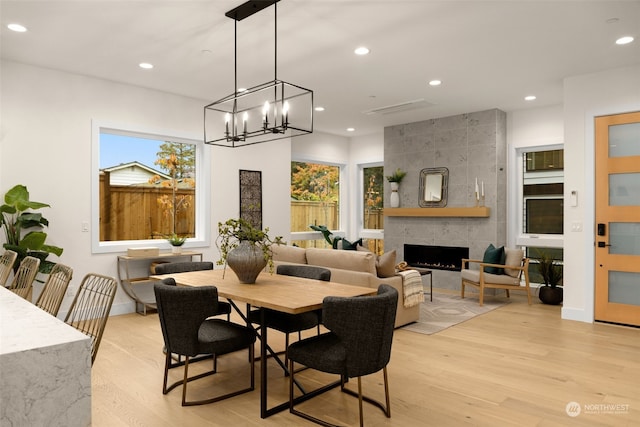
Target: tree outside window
x=178 y=160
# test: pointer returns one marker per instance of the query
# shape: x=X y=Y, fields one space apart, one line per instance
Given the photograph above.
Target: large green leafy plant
x=23 y=228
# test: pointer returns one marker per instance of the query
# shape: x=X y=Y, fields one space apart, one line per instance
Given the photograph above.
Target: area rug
x=448 y=310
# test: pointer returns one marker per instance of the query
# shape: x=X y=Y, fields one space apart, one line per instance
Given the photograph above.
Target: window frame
x=316 y=235
x=367 y=233
x=532 y=239
x=203 y=193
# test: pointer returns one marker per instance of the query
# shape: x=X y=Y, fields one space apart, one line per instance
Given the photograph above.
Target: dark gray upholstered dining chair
x=188 y=330
x=358 y=343
x=183 y=267
x=288 y=323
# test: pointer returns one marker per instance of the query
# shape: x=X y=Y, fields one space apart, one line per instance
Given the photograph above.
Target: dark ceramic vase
x=549 y=295
x=247 y=261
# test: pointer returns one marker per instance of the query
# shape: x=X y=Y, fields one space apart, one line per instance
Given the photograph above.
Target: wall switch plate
x=576 y=226
x=85 y=226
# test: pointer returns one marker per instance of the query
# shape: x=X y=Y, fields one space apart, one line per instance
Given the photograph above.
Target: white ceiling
x=489 y=54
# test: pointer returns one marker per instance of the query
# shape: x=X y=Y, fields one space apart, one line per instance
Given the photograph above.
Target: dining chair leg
x=386 y=392
x=360 y=401
x=186 y=380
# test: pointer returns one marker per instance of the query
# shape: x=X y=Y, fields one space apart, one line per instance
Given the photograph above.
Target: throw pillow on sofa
x=385 y=263
x=493 y=255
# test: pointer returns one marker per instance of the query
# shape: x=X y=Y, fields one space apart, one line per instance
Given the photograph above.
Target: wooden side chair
x=508 y=276
x=55 y=288
x=22 y=283
x=358 y=343
x=6 y=265
x=90 y=308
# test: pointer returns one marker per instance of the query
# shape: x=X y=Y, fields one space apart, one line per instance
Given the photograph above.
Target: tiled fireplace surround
x=470 y=145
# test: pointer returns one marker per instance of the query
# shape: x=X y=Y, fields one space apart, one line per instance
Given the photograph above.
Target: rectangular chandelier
x=267 y=112
x=270 y=111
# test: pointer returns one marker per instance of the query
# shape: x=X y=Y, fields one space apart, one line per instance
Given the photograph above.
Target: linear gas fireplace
x=435 y=257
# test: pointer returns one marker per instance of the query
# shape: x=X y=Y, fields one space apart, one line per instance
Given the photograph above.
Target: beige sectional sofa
x=351 y=268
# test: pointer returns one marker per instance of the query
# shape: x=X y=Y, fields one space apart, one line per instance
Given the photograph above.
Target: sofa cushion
x=386 y=264
x=513 y=257
x=493 y=255
x=503 y=279
x=286 y=253
x=352 y=260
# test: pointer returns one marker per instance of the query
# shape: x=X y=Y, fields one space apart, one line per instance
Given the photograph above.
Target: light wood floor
x=518 y=365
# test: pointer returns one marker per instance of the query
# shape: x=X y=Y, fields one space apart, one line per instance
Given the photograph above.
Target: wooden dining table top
x=288 y=294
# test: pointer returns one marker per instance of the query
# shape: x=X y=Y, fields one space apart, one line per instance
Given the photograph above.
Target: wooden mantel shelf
x=473 y=212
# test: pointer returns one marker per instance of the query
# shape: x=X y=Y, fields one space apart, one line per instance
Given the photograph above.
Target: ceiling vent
x=397 y=108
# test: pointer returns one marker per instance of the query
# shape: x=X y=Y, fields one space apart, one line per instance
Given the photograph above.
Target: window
x=543 y=192
x=372 y=207
x=315 y=200
x=146 y=187
x=541 y=218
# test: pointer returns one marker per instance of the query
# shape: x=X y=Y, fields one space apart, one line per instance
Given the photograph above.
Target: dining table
x=288 y=294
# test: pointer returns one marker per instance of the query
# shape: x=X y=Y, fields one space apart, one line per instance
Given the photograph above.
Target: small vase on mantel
x=395 y=197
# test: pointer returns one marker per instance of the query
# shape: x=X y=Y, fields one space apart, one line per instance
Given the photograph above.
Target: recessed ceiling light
x=17 y=28
x=319 y=108
x=146 y=65
x=624 y=40
x=351 y=129
x=530 y=98
x=435 y=82
x=362 y=50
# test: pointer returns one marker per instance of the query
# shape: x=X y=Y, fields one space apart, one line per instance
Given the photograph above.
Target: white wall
x=533 y=127
x=585 y=97
x=45 y=144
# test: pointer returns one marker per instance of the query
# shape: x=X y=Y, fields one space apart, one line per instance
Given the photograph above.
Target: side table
x=426 y=272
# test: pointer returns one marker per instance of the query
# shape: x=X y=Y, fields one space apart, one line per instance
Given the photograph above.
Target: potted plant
x=394 y=181
x=176 y=243
x=22 y=227
x=397 y=176
x=551 y=272
x=246 y=249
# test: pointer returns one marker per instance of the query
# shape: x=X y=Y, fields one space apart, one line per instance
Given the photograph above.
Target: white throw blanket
x=411 y=287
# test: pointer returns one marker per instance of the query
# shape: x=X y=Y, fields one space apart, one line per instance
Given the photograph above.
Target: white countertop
x=23 y=326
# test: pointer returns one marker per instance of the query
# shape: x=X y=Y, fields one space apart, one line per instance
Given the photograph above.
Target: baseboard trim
x=577 y=314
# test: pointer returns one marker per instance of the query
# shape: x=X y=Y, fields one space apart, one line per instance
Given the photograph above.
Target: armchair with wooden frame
x=515 y=268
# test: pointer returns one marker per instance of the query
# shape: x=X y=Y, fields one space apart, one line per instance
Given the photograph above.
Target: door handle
x=603 y=244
